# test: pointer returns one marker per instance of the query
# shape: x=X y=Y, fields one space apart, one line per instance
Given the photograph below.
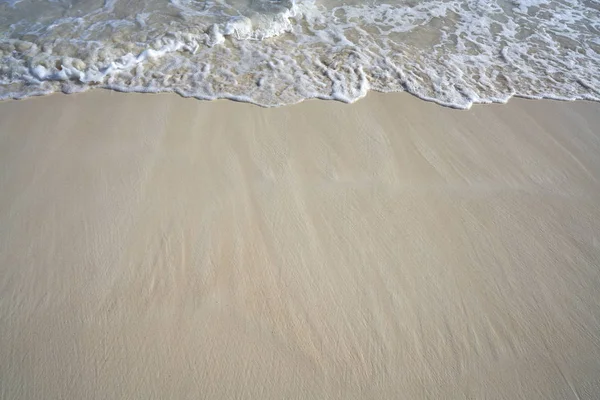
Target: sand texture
x=155 y=247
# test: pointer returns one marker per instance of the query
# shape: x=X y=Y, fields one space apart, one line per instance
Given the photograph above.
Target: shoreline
x=370 y=91
x=165 y=247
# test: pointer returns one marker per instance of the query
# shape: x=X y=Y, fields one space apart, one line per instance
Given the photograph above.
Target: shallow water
x=454 y=52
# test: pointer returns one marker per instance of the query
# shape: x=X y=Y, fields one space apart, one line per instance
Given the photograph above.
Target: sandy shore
x=156 y=247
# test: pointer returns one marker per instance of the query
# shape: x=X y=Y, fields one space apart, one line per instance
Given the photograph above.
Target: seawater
x=278 y=52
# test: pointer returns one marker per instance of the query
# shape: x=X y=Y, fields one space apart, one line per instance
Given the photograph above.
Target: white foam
x=524 y=5
x=239 y=27
x=215 y=37
x=456 y=53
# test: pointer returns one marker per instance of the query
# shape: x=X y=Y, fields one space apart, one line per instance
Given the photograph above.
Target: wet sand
x=159 y=247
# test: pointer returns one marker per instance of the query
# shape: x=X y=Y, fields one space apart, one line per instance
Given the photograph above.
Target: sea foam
x=274 y=53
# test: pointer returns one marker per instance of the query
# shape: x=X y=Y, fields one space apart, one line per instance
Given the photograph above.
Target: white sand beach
x=156 y=247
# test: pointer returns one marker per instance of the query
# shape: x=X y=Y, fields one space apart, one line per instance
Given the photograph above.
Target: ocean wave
x=273 y=53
